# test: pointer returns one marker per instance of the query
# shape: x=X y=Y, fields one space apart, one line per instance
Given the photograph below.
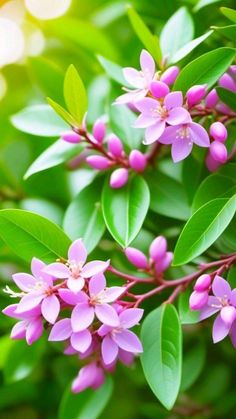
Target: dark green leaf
x=122 y=120
x=193 y=363
x=228 y=31
x=228 y=97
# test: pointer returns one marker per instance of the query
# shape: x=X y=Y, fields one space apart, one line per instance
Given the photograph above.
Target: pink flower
x=89 y=376
x=75 y=270
x=140 y=80
x=182 y=137
x=119 y=337
x=96 y=303
x=155 y=115
x=62 y=330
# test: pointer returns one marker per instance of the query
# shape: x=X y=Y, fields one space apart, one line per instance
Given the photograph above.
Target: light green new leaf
x=229 y=13
x=205 y=69
x=189 y=47
x=125 y=209
x=203 y=229
x=63 y=113
x=75 y=94
x=113 y=70
x=202 y=3
x=161 y=360
x=227 y=97
x=39 y=120
x=186 y=315
x=177 y=32
x=29 y=235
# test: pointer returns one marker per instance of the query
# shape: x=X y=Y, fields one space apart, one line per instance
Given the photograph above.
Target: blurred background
x=38 y=40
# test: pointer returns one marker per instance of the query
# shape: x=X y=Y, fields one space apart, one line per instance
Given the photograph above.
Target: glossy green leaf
x=229 y=13
x=75 y=94
x=86 y=405
x=181 y=24
x=5 y=344
x=29 y=235
x=191 y=174
x=56 y=154
x=228 y=31
x=113 y=70
x=47 y=209
x=228 y=97
x=62 y=113
x=203 y=229
x=186 y=315
x=83 y=217
x=161 y=360
x=149 y=40
x=168 y=197
x=203 y=3
x=125 y=209
x=205 y=69
x=193 y=364
x=122 y=120
x=189 y=47
x=39 y=120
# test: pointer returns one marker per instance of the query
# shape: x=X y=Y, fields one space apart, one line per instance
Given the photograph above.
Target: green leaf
x=113 y=70
x=161 y=360
x=149 y=40
x=186 y=315
x=229 y=13
x=177 y=32
x=168 y=196
x=62 y=113
x=87 y=404
x=205 y=69
x=189 y=47
x=75 y=94
x=83 y=217
x=228 y=31
x=47 y=209
x=193 y=363
x=56 y=154
x=191 y=173
x=22 y=360
x=39 y=120
x=227 y=97
x=5 y=344
x=122 y=120
x=29 y=235
x=203 y=229
x=124 y=209
x=202 y=3
x=212 y=187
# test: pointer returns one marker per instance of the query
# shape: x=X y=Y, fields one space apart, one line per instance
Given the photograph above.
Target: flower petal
x=34 y=331
x=82 y=316
x=107 y=315
x=134 y=77
x=228 y=314
x=199 y=135
x=233 y=297
x=97 y=284
x=147 y=65
x=144 y=121
x=19 y=330
x=61 y=330
x=75 y=284
x=109 y=350
x=104 y=330
x=220 y=329
x=81 y=341
x=169 y=135
x=128 y=341
x=37 y=267
x=50 y=308
x=77 y=252
x=221 y=287
x=211 y=308
x=173 y=100
x=154 y=132
x=71 y=298
x=233 y=334
x=24 y=281
x=178 y=116
x=93 y=268
x=130 y=317
x=147 y=106
x=112 y=293
x=125 y=357
x=180 y=149
x=29 y=301
x=57 y=270
x=131 y=97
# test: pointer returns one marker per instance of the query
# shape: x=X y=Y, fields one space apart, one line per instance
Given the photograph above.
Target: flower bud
x=218 y=131
x=115 y=145
x=195 y=94
x=211 y=164
x=137 y=161
x=136 y=257
x=70 y=137
x=119 y=178
x=227 y=82
x=232 y=70
x=169 y=76
x=98 y=162
x=159 y=89
x=202 y=283
x=158 y=248
x=211 y=99
x=99 y=131
x=218 y=151
x=163 y=264
x=228 y=315
x=198 y=300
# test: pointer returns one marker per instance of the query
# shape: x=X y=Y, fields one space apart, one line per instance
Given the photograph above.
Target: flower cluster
x=223 y=301
x=98 y=323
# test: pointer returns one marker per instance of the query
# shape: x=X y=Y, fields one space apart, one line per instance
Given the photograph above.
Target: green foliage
x=75 y=94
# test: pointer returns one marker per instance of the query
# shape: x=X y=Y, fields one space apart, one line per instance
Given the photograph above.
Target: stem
x=132 y=278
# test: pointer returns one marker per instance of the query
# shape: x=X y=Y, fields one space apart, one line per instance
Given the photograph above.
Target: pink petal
x=29 y=301
x=169 y=135
x=71 y=298
x=37 y=267
x=77 y=252
x=131 y=97
x=104 y=330
x=233 y=334
x=130 y=317
x=109 y=350
x=233 y=297
x=10 y=311
x=86 y=378
x=61 y=330
x=81 y=341
x=34 y=331
x=107 y=315
x=212 y=307
x=75 y=284
x=97 y=284
x=50 y=308
x=82 y=316
x=147 y=65
x=57 y=270
x=134 y=77
x=181 y=149
x=128 y=341
x=154 y=132
x=144 y=121
x=112 y=294
x=221 y=287
x=228 y=314
x=173 y=100
x=148 y=106
x=24 y=281
x=93 y=268
x=199 y=135
x=178 y=116
x=220 y=330
x=125 y=357
x=19 y=330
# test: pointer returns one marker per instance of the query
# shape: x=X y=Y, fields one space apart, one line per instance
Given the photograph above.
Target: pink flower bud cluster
x=228 y=82
x=159 y=258
x=223 y=302
x=95 y=326
x=218 y=153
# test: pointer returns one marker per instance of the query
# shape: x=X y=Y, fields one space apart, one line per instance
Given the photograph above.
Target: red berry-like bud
x=203 y=283
x=158 y=248
x=198 y=300
x=99 y=131
x=169 y=76
x=136 y=257
x=115 y=145
x=195 y=94
x=137 y=161
x=159 y=89
x=218 y=131
x=70 y=137
x=218 y=151
x=98 y=162
x=119 y=178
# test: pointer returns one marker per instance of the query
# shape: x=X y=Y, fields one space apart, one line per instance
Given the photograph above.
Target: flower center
x=183 y=133
x=75 y=269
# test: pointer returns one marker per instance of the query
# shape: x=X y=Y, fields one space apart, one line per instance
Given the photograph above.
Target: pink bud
x=119 y=178
x=198 y=300
x=232 y=70
x=211 y=164
x=98 y=162
x=222 y=108
x=136 y=257
x=218 y=131
x=70 y=137
x=115 y=145
x=158 y=248
x=218 y=151
x=137 y=161
x=169 y=76
x=211 y=99
x=163 y=264
x=99 y=131
x=227 y=82
x=203 y=283
x=159 y=89
x=228 y=314
x=195 y=94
